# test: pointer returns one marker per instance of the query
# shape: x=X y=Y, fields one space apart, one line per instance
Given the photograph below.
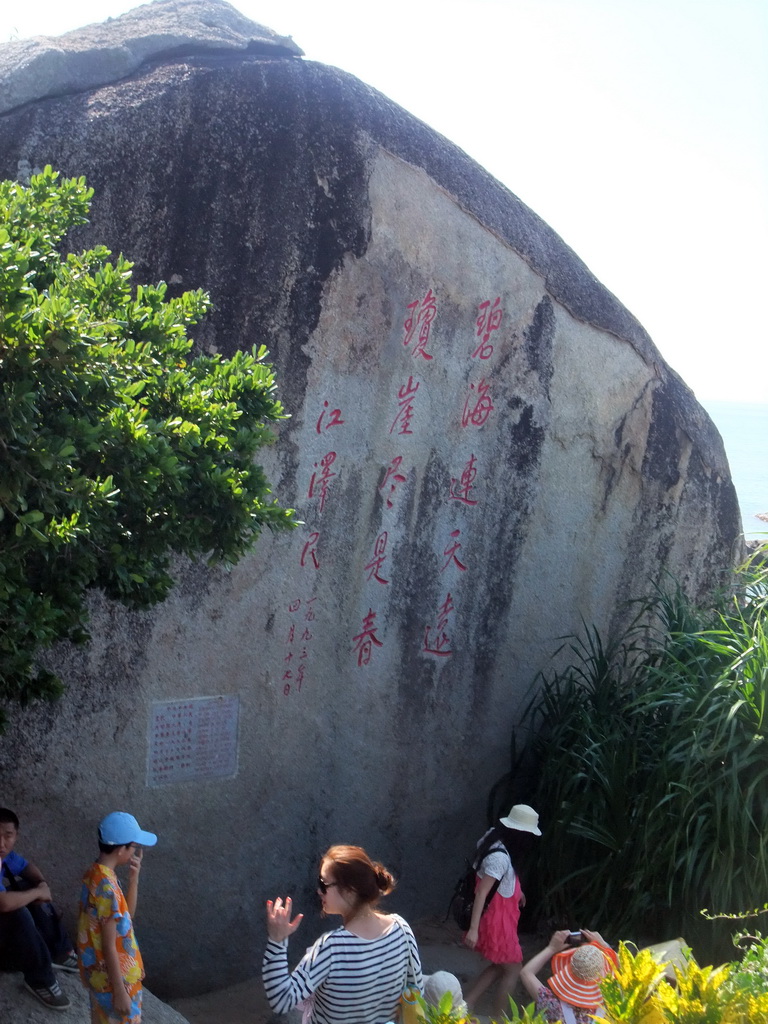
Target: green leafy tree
x=118 y=449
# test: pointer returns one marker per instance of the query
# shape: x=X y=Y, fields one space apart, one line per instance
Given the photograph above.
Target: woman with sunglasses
x=356 y=973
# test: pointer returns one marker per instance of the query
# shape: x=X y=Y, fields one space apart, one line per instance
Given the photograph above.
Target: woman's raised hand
x=559 y=940
x=279 y=923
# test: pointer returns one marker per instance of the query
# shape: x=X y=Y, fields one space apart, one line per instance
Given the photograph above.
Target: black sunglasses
x=324 y=886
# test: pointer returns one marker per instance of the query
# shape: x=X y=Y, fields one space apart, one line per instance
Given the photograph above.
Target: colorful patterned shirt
x=550 y=1007
x=101 y=898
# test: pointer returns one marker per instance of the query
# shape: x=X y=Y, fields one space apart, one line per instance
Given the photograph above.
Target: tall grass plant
x=652 y=767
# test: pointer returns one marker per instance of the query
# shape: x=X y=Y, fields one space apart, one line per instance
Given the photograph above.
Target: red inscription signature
x=294 y=674
x=321 y=480
x=309 y=551
x=334 y=419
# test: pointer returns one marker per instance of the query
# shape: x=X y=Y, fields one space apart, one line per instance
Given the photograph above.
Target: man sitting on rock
x=32 y=938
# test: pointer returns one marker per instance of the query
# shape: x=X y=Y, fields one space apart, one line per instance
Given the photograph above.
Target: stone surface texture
x=380 y=667
x=31 y=69
x=18 y=1006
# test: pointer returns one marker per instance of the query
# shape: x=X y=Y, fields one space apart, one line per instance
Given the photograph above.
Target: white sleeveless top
x=497 y=864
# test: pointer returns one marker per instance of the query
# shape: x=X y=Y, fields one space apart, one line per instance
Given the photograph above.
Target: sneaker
x=67 y=963
x=52 y=996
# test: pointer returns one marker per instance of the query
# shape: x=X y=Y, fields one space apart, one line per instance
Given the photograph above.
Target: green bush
x=734 y=993
x=118 y=448
x=444 y=1013
x=652 y=764
x=637 y=992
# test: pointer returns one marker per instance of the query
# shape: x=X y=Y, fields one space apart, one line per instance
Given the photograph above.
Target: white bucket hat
x=523 y=818
x=437 y=984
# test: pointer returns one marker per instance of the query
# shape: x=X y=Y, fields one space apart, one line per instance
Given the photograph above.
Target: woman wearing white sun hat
x=498 y=899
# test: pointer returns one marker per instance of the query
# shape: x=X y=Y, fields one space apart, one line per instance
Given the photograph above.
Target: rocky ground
x=17 y=1006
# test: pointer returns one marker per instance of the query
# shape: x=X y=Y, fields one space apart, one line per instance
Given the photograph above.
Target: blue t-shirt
x=14 y=864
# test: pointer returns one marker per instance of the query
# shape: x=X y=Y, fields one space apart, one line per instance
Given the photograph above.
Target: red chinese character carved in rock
x=310 y=616
x=334 y=419
x=460 y=488
x=310 y=550
x=393 y=477
x=364 y=640
x=320 y=482
x=379 y=555
x=450 y=553
x=421 y=320
x=440 y=644
x=294 y=605
x=405 y=397
x=488 y=322
x=477 y=412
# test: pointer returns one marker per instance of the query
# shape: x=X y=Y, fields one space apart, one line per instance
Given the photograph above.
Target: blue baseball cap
x=120 y=828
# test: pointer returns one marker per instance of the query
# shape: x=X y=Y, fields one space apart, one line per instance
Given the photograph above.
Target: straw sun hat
x=523 y=818
x=577 y=973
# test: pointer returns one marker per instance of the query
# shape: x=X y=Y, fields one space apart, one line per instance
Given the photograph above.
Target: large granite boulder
x=43 y=66
x=485 y=449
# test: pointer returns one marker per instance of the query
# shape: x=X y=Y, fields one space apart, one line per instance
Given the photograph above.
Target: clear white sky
x=638 y=129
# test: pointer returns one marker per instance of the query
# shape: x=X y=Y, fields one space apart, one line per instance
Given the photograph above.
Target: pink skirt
x=497 y=937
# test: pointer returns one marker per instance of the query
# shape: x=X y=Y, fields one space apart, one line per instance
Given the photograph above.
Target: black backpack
x=463 y=898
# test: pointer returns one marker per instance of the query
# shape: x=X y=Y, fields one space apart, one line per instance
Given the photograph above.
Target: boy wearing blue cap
x=111 y=967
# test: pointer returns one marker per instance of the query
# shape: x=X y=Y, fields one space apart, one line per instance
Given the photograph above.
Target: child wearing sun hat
x=111 y=967
x=493 y=930
x=437 y=984
x=573 y=992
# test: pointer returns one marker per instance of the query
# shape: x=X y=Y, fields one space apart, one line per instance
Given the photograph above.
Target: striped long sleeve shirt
x=348 y=979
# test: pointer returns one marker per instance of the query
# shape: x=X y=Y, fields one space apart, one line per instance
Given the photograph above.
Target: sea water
x=743 y=427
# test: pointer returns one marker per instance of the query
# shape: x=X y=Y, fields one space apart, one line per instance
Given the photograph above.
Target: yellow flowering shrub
x=628 y=993
x=697 y=998
x=638 y=993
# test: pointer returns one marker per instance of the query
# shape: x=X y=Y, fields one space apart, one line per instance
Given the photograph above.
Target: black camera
x=575 y=938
